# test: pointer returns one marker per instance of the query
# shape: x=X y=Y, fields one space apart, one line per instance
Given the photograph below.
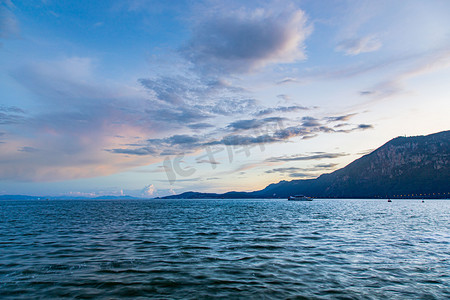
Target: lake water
x=190 y=249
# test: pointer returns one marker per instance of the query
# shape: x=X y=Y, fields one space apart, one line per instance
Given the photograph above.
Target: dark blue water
x=190 y=249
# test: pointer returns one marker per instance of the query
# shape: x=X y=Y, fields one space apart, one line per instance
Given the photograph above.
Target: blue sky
x=149 y=98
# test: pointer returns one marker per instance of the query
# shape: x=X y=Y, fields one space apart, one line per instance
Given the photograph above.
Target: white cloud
x=425 y=63
x=149 y=190
x=78 y=115
x=359 y=45
x=240 y=41
x=9 y=25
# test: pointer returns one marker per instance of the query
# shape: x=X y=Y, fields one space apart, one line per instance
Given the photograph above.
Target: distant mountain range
x=404 y=167
x=27 y=197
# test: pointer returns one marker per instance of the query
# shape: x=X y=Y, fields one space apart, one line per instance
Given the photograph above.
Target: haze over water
x=186 y=249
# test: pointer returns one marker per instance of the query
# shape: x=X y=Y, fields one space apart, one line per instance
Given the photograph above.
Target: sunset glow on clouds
x=146 y=98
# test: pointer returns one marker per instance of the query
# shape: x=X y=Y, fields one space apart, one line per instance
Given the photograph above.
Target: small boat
x=389 y=200
x=299 y=198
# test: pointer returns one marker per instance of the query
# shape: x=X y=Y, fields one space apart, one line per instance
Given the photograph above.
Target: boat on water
x=299 y=198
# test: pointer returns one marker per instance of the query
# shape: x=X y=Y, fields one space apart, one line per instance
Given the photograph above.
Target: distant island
x=404 y=167
x=28 y=197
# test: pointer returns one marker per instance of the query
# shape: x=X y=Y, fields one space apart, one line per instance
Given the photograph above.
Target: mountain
x=18 y=197
x=404 y=167
x=27 y=197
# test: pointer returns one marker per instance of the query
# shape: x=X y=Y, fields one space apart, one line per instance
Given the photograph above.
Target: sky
x=152 y=98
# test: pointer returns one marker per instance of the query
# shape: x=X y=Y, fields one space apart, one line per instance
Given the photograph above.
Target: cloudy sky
x=148 y=98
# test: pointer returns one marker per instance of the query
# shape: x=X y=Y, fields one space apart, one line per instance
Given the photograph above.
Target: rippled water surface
x=182 y=249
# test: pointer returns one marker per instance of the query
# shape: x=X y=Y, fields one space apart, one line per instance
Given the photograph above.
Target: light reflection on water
x=359 y=249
